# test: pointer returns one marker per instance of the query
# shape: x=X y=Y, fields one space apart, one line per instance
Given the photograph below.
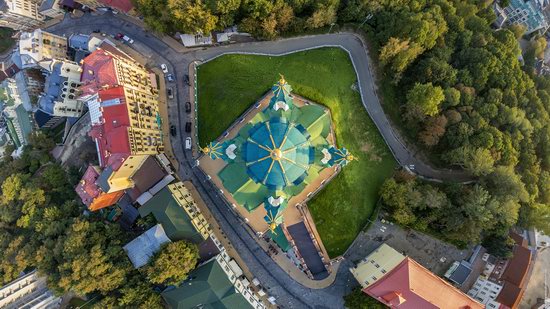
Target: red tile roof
x=87 y=189
x=122 y=5
x=409 y=285
x=98 y=70
x=112 y=136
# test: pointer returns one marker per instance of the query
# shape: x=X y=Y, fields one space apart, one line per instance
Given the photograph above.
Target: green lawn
x=6 y=40
x=228 y=85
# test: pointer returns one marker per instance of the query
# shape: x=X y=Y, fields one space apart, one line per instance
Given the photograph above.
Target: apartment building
x=20 y=14
x=28 y=291
x=39 y=47
x=122 y=97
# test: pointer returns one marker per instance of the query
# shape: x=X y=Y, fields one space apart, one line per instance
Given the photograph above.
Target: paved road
x=289 y=293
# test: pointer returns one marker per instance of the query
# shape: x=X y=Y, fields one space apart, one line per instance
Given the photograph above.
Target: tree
x=518 y=30
x=424 y=100
x=357 y=299
x=324 y=14
x=172 y=263
x=434 y=128
x=192 y=16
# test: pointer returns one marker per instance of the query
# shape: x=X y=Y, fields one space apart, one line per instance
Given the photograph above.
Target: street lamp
x=331 y=25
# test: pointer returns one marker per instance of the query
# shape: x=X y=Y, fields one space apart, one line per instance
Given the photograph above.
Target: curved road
x=288 y=292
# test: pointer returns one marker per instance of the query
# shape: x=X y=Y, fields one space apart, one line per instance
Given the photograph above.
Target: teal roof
x=208 y=287
x=170 y=214
x=277 y=153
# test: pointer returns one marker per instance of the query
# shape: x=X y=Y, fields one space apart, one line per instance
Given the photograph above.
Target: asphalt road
x=288 y=292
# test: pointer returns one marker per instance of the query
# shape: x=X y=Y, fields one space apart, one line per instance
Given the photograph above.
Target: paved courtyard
x=430 y=252
x=535 y=287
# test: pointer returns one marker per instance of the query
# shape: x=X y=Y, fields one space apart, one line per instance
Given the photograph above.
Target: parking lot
x=430 y=252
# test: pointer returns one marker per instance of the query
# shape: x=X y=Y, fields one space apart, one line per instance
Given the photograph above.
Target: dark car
x=96 y=31
x=186 y=78
x=170 y=93
x=119 y=36
x=188 y=107
x=188 y=127
x=173 y=130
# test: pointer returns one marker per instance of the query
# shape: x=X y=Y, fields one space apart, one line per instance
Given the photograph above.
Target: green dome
x=277 y=153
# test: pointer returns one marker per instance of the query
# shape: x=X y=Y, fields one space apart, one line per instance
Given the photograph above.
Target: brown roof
x=515 y=274
x=517 y=267
x=148 y=175
x=510 y=295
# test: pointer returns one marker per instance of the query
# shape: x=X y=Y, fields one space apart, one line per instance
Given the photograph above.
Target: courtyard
x=229 y=85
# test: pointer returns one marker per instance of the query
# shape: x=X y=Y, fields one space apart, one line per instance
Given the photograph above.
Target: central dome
x=277 y=153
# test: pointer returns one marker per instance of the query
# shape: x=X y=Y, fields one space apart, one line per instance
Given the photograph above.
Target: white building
x=61 y=90
x=485 y=292
x=29 y=291
x=20 y=14
x=40 y=46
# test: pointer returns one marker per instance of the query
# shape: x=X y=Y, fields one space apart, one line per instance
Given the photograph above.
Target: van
x=188 y=143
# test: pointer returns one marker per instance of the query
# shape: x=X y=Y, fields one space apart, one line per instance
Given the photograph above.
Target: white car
x=188 y=143
x=128 y=39
x=164 y=68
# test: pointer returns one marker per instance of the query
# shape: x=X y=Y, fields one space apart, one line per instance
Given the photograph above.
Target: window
x=374 y=278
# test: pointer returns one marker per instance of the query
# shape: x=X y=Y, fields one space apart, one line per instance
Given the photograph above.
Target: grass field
x=228 y=85
x=6 y=40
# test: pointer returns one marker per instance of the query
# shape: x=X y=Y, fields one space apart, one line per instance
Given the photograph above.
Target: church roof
x=277 y=153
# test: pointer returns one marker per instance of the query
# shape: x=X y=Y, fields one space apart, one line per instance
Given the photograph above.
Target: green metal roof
x=172 y=216
x=279 y=238
x=207 y=287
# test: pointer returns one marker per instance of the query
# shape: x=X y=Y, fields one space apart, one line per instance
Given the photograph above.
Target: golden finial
x=205 y=150
x=272 y=226
x=282 y=80
x=350 y=158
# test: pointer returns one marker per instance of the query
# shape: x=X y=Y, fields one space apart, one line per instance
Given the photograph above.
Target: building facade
x=122 y=98
x=29 y=291
x=519 y=12
x=20 y=14
x=62 y=90
x=40 y=46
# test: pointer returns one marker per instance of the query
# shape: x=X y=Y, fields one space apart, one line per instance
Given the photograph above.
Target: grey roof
x=461 y=273
x=52 y=89
x=79 y=41
x=103 y=180
x=46 y=5
x=142 y=248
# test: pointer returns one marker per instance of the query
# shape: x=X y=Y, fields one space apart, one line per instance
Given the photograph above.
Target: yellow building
x=40 y=46
x=186 y=201
x=376 y=265
x=122 y=97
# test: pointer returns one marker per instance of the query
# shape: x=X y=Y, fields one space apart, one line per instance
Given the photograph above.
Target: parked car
x=186 y=79
x=188 y=127
x=164 y=68
x=170 y=77
x=170 y=93
x=119 y=36
x=188 y=107
x=127 y=39
x=173 y=130
x=96 y=31
x=188 y=143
